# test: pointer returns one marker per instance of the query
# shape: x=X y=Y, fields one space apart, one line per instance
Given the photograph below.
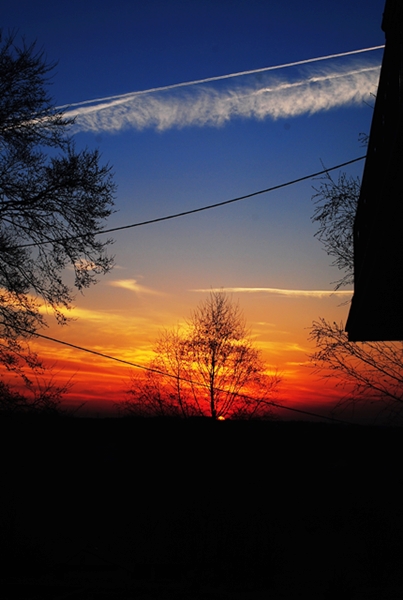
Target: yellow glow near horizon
x=128 y=331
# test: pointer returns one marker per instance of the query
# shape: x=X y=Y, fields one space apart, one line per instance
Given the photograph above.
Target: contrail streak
x=222 y=77
x=321 y=88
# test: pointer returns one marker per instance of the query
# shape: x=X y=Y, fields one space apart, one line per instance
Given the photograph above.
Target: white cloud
x=257 y=94
x=133 y=286
x=281 y=292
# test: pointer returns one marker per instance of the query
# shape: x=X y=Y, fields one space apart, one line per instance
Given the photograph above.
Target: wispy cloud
x=133 y=286
x=280 y=292
x=257 y=94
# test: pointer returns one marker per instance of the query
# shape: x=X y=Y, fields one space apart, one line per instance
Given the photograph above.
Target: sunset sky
x=193 y=103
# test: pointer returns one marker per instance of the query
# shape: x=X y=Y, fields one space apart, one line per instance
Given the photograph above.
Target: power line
x=232 y=200
x=184 y=379
x=202 y=208
x=101 y=354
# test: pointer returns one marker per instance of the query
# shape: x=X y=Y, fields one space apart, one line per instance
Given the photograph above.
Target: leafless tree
x=40 y=395
x=53 y=202
x=335 y=207
x=367 y=371
x=210 y=368
x=165 y=388
x=226 y=365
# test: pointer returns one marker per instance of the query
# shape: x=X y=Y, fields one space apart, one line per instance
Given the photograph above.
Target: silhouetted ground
x=147 y=509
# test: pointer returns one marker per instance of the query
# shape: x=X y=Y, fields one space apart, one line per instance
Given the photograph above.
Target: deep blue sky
x=106 y=47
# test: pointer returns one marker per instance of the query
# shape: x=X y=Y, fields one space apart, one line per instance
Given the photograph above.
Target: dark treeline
x=199 y=508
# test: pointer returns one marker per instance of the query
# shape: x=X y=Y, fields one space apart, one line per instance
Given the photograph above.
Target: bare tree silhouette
x=209 y=368
x=53 y=202
x=367 y=371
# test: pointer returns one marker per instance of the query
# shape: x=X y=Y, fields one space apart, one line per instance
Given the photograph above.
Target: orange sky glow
x=278 y=321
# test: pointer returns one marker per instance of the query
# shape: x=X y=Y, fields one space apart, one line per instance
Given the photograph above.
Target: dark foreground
x=126 y=509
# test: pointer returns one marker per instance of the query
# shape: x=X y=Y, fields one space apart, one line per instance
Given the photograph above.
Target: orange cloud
x=283 y=292
x=133 y=286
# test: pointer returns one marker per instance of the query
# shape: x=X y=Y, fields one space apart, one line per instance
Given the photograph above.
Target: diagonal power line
x=201 y=208
x=184 y=379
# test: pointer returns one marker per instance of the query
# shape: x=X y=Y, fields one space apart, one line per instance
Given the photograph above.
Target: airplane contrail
x=222 y=77
x=163 y=108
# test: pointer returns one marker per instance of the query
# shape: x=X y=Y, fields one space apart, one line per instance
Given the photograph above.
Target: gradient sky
x=186 y=146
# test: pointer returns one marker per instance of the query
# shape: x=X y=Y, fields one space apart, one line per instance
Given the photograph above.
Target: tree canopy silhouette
x=335 y=206
x=209 y=368
x=367 y=371
x=53 y=201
